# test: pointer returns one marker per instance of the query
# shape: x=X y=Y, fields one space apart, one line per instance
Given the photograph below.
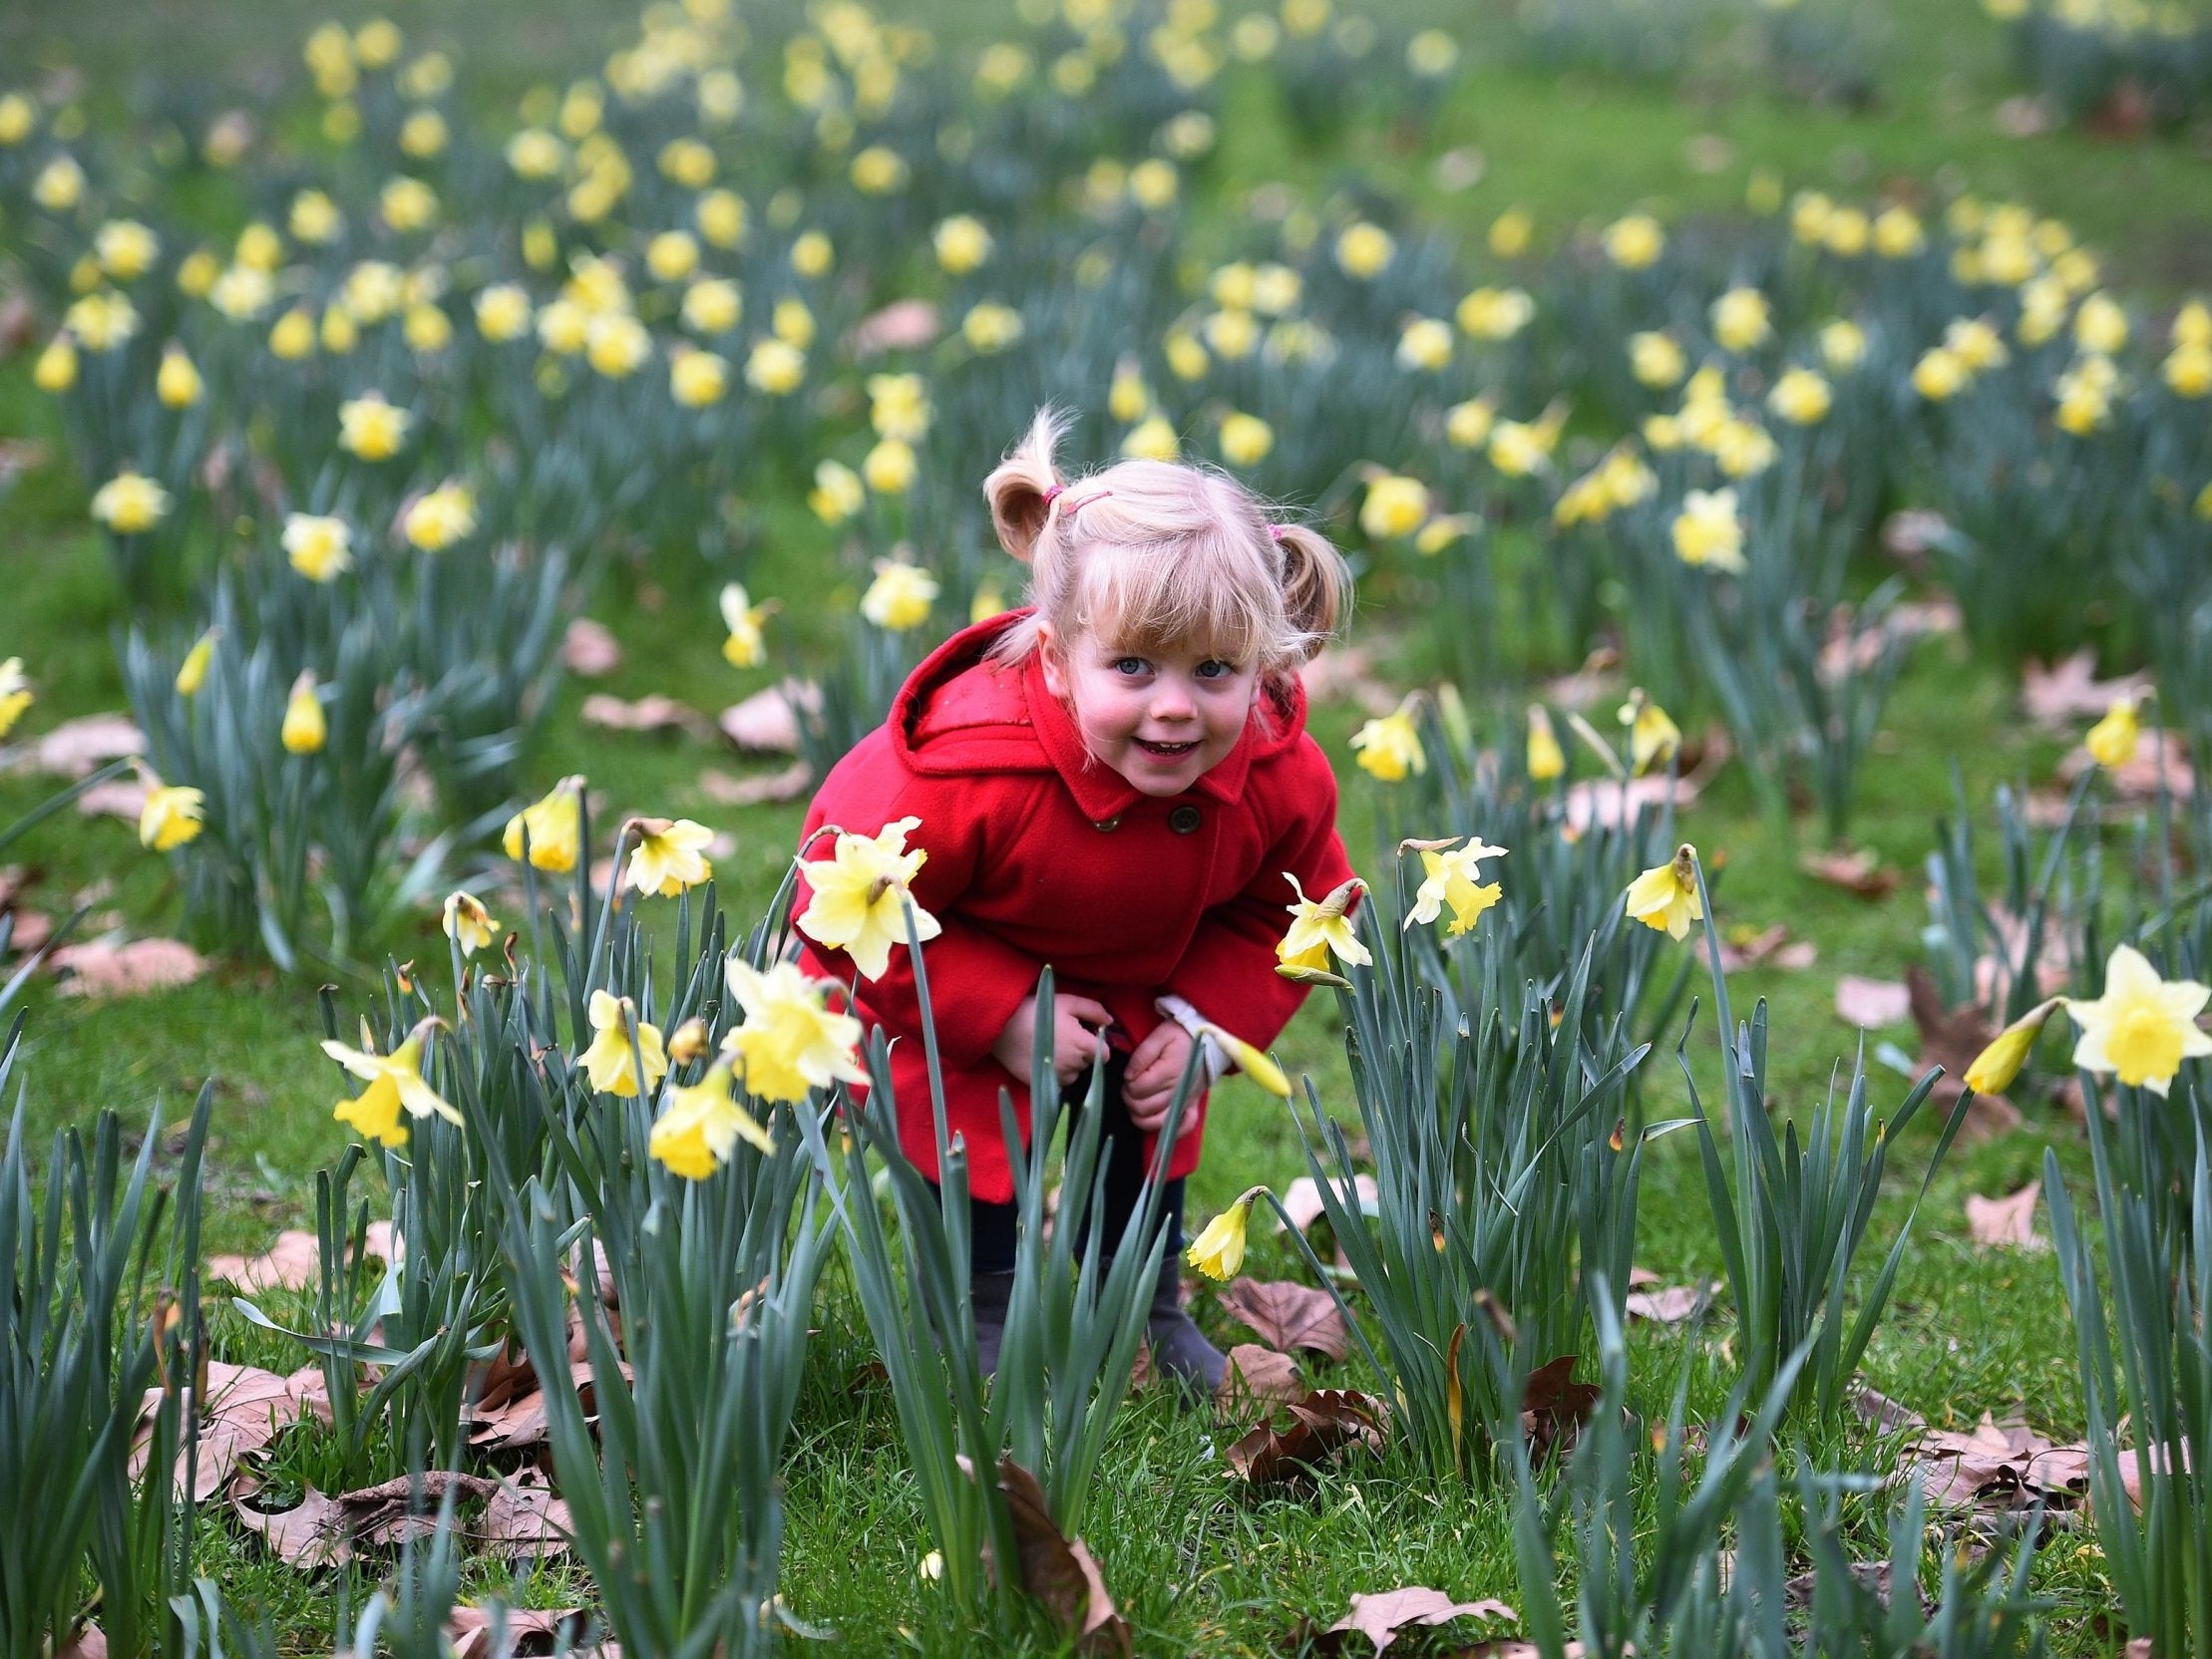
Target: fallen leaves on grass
x=588 y=649
x=246 y=1407
x=902 y=325
x=1060 y=1571
x=2160 y=762
x=650 y=713
x=1288 y=1315
x=1345 y=674
x=81 y=747
x=1554 y=1407
x=1999 y=1465
x=1384 y=1616
x=320 y=1530
x=293 y=1262
x=1871 y=1004
x=131 y=969
x=1319 y=1425
x=1302 y=1199
x=517 y=1421
x=1857 y=871
x=529 y=1630
x=766 y=723
x=523 y=1519
x=89 y=1642
x=122 y=797
x=1671 y=1304
x=1951 y=1038
x=1608 y=802
x=2069 y=690
x=2007 y=1223
x=1750 y=947
x=788 y=783
x=1258 y=1376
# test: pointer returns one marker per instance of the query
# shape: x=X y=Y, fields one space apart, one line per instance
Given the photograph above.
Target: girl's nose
x=1171 y=702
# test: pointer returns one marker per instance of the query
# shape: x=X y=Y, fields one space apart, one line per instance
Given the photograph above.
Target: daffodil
x=899 y=598
x=699 y=1127
x=609 y=1061
x=1546 y=758
x=371 y=428
x=1654 y=737
x=1995 y=1068
x=1317 y=928
x=1453 y=878
x=129 y=504
x=1390 y=747
x=15 y=694
x=775 y=366
x=888 y=467
x=178 y=383
x=556 y=826
x=698 y=378
x=746 y=647
x=468 y=923
x=319 y=548
x=898 y=407
x=2144 y=1027
x=1246 y=439
x=1655 y=359
x=191 y=673
x=437 y=519
x=1362 y=250
x=396 y=1090
x=1800 y=397
x=991 y=326
x=1394 y=506
x=1706 y=530
x=1666 y=897
x=962 y=244
x=670 y=855
x=1740 y=319
x=859 y=895
x=172 y=814
x=306 y=730
x=56 y=368
x=2112 y=741
x=1219 y=1249
x=1635 y=242
x=713 y=305
x=790 y=1041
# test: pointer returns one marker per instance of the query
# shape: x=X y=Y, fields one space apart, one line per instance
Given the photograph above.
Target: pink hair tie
x=1054 y=494
x=1096 y=496
x=1276 y=532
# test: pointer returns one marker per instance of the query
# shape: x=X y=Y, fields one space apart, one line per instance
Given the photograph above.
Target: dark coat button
x=1183 y=819
x=1109 y=824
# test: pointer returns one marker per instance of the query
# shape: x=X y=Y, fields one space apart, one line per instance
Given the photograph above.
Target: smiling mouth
x=1166 y=750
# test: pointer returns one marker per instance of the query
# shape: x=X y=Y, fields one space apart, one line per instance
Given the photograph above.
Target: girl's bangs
x=1160 y=598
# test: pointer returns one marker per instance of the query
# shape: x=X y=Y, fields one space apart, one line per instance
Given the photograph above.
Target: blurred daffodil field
x=1741 y=1181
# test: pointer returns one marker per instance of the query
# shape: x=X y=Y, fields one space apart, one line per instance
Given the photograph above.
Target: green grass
x=1199 y=1567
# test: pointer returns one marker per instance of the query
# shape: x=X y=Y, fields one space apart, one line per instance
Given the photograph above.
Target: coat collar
x=1021 y=699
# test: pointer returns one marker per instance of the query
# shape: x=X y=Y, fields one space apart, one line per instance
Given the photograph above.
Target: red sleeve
x=1227 y=972
x=976 y=980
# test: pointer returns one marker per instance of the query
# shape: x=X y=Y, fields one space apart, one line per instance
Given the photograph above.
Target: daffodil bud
x=1219 y=1251
x=688 y=1042
x=1996 y=1066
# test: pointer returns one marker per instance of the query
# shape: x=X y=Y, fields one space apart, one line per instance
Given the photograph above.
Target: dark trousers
x=992 y=1228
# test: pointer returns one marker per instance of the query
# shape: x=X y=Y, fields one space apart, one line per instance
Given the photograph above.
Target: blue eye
x=1215 y=670
x=1130 y=665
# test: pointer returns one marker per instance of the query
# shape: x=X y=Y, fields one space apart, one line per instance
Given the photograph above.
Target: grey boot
x=1179 y=1351
x=988 y=1294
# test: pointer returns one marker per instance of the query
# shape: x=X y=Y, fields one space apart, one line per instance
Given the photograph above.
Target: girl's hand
x=1155 y=1068
x=1077 y=1024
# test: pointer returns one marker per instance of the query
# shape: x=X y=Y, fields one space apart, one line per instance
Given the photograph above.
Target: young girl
x=1115 y=781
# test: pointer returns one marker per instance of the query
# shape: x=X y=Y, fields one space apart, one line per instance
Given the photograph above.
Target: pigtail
x=1316 y=584
x=1021 y=488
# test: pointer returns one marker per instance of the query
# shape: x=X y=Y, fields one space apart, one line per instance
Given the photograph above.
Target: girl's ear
x=1049 y=659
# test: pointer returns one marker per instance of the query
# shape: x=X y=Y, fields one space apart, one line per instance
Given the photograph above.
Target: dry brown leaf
x=311 y=1533
x=1302 y=1199
x=2007 y=1223
x=1060 y=1571
x=1597 y=681
x=519 y=1421
x=1288 y=1315
x=1320 y=1425
x=529 y=1630
x=2160 y=761
x=104 y=968
x=1608 y=801
x=1386 y=1616
x=650 y=713
x=293 y=1262
x=1999 y=1465
x=1858 y=871
x=81 y=747
x=1871 y=1004
x=788 y=783
x=1554 y=1407
x=2069 y=690
x=766 y=723
x=902 y=325
x=1258 y=1376
x=1345 y=674
x=522 y=1519
x=1885 y=1414
x=588 y=649
x=1912 y=531
x=32 y=930
x=122 y=797
x=247 y=1409
x=89 y=1642
x=1952 y=1038
x=1673 y=1304
x=1747 y=947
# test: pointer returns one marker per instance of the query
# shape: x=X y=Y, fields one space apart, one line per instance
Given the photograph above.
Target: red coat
x=1040 y=856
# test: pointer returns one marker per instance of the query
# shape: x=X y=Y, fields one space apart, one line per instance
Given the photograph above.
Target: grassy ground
x=1202 y=1572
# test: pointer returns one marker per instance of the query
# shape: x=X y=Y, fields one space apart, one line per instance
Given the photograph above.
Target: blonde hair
x=1152 y=553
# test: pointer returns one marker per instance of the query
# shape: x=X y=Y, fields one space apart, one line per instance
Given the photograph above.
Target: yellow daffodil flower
x=556 y=826
x=306 y=730
x=962 y=244
x=319 y=548
x=1219 y=1249
x=1246 y=439
x=609 y=1061
x=2112 y=741
x=1741 y=319
x=670 y=855
x=176 y=383
x=1996 y=1066
x=1654 y=737
x=439 y=518
x=2144 y=1027
x=396 y=1090
x=697 y=379
x=861 y=895
x=371 y=428
x=746 y=647
x=899 y=598
x=129 y=504
x=1362 y=250
x=1708 y=532
x=15 y=694
x=172 y=814
x=1546 y=760
x=56 y=368
x=1666 y=897
x=1317 y=928
x=1635 y=242
x=1389 y=748
x=1453 y=878
x=699 y=1127
x=775 y=366
x=1394 y=506
x=790 y=1041
x=1800 y=397
x=468 y=923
